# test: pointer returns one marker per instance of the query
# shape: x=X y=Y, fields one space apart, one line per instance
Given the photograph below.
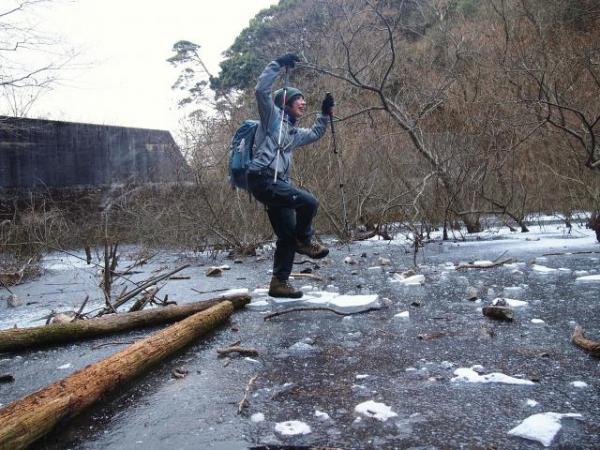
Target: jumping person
x=290 y=210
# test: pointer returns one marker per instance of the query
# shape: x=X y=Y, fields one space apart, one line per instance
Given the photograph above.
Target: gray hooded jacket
x=267 y=135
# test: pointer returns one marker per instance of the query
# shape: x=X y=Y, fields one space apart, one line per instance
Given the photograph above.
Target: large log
x=30 y=418
x=21 y=338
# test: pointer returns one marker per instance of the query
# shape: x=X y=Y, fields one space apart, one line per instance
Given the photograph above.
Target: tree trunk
x=20 y=338
x=30 y=418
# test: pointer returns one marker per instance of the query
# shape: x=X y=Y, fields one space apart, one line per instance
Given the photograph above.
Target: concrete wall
x=38 y=153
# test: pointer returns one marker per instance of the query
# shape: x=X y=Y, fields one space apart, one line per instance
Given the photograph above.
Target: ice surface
x=541 y=427
x=64 y=366
x=321 y=415
x=292 y=428
x=588 y=278
x=379 y=411
x=542 y=269
x=342 y=302
x=468 y=375
x=408 y=281
x=232 y=292
x=510 y=301
x=257 y=417
x=579 y=384
x=403 y=315
x=531 y=402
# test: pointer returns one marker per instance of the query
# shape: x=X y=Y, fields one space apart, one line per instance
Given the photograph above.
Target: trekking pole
x=340 y=174
x=285 y=84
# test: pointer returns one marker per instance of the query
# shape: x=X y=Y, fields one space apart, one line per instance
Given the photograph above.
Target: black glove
x=327 y=105
x=288 y=60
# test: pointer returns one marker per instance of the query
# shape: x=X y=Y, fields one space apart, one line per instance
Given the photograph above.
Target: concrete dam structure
x=37 y=154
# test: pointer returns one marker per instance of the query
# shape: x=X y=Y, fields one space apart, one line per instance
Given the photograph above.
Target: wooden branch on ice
x=249 y=351
x=21 y=338
x=314 y=308
x=30 y=418
x=578 y=338
x=244 y=402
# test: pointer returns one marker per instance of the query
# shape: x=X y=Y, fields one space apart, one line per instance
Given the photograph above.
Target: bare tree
x=29 y=61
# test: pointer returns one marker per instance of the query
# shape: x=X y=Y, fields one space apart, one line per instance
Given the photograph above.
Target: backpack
x=240 y=153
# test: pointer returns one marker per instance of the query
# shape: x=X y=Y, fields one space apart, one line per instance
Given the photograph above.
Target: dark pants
x=291 y=211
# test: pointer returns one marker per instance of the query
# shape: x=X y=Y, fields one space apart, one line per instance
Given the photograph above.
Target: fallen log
x=579 y=339
x=28 y=419
x=20 y=338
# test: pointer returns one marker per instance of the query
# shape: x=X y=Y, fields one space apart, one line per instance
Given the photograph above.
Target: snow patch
x=64 y=366
x=537 y=321
x=510 y=301
x=292 y=428
x=343 y=302
x=231 y=292
x=541 y=427
x=403 y=315
x=413 y=280
x=379 y=411
x=469 y=375
x=257 y=417
x=588 y=279
x=542 y=269
x=321 y=415
x=361 y=377
x=531 y=402
x=579 y=384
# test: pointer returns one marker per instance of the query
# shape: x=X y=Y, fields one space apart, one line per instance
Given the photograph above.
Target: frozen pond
x=424 y=370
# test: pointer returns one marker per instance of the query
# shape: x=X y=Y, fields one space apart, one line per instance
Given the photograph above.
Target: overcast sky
x=121 y=76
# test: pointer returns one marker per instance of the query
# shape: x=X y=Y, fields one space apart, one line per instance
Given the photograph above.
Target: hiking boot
x=311 y=249
x=280 y=288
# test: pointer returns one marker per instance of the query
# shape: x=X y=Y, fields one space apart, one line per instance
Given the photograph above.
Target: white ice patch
x=579 y=384
x=379 y=411
x=260 y=291
x=414 y=280
x=292 y=428
x=510 y=301
x=531 y=402
x=588 y=279
x=403 y=315
x=362 y=377
x=542 y=269
x=232 y=292
x=342 y=302
x=64 y=366
x=321 y=415
x=257 y=417
x=258 y=304
x=540 y=427
x=467 y=375
x=484 y=263
x=537 y=321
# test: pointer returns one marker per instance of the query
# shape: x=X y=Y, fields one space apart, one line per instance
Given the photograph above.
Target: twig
x=249 y=351
x=310 y=276
x=209 y=292
x=570 y=253
x=315 y=308
x=244 y=403
x=78 y=313
x=578 y=338
x=184 y=277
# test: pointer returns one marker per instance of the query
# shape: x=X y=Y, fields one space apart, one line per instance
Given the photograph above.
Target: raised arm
x=266 y=108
